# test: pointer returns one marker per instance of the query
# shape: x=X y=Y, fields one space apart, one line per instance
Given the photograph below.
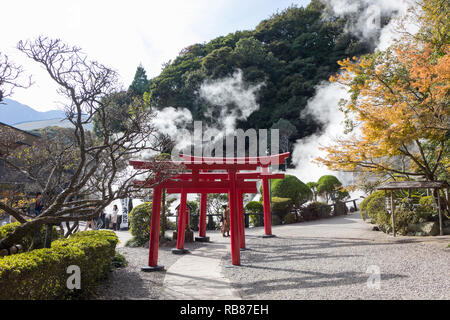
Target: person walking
x=226 y=221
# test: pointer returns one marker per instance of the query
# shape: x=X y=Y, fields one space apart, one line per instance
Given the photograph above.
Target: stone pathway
x=198 y=276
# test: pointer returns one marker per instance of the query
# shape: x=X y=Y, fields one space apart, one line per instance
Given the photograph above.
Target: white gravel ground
x=130 y=282
x=324 y=266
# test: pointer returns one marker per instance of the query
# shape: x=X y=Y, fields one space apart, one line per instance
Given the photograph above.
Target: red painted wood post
x=202 y=218
x=241 y=219
x=235 y=242
x=267 y=215
x=181 y=221
x=154 y=229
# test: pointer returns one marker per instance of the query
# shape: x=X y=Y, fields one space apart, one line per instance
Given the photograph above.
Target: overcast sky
x=122 y=34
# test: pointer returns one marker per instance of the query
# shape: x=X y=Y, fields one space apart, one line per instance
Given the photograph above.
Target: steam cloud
x=232 y=99
x=364 y=21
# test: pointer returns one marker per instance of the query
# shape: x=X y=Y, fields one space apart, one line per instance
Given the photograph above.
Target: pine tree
x=140 y=82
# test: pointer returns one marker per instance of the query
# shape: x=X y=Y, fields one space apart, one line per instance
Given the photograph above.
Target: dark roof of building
x=23 y=131
x=393 y=185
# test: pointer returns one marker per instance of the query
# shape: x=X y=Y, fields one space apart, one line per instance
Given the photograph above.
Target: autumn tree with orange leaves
x=398 y=111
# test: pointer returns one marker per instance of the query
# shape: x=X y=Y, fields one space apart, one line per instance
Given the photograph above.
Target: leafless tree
x=78 y=172
x=9 y=77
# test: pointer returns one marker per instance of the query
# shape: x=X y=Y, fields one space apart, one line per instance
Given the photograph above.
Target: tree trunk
x=28 y=228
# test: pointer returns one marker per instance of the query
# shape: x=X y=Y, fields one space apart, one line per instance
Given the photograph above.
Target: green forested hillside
x=291 y=52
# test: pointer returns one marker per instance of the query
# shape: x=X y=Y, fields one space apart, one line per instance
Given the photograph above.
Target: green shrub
x=26 y=241
x=276 y=220
x=281 y=206
x=140 y=218
x=428 y=202
x=329 y=187
x=427 y=209
x=118 y=261
x=375 y=206
x=291 y=217
x=316 y=210
x=256 y=220
x=406 y=215
x=42 y=273
x=365 y=202
x=291 y=187
x=254 y=207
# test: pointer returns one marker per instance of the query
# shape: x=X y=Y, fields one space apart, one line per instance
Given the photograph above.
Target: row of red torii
x=205 y=175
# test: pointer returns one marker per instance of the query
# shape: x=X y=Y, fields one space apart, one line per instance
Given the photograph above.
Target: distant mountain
x=13 y=112
x=33 y=125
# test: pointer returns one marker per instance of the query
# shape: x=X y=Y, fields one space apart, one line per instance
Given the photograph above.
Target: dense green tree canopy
x=291 y=53
x=140 y=82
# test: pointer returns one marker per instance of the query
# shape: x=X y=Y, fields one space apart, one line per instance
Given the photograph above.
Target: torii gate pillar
x=202 y=219
x=266 y=202
x=182 y=217
x=154 y=233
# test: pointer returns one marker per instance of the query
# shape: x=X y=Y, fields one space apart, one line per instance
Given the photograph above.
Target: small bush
x=281 y=206
x=316 y=210
x=276 y=220
x=118 y=261
x=375 y=207
x=26 y=241
x=427 y=202
x=365 y=202
x=42 y=273
x=140 y=218
x=291 y=217
x=254 y=207
x=256 y=220
x=291 y=187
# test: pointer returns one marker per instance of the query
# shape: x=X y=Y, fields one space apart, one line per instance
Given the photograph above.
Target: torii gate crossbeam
x=201 y=180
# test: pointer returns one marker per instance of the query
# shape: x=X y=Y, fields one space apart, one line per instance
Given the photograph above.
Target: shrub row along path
x=326 y=259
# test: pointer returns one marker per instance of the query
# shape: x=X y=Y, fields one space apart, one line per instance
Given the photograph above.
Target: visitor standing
x=39 y=204
x=226 y=221
x=114 y=215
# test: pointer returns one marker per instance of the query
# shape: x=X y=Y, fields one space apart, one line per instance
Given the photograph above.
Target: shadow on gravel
x=125 y=285
x=287 y=272
x=310 y=280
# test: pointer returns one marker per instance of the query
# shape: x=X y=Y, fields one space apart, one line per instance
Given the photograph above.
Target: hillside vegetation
x=291 y=52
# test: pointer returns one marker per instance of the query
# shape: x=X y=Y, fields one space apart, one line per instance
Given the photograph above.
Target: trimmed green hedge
x=26 y=241
x=281 y=206
x=254 y=207
x=290 y=187
x=42 y=273
x=316 y=210
x=291 y=217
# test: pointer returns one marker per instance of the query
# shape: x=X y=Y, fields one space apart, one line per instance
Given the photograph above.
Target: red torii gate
x=200 y=180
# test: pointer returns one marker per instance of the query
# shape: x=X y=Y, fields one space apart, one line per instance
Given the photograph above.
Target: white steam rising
x=232 y=99
x=323 y=107
x=365 y=17
x=364 y=21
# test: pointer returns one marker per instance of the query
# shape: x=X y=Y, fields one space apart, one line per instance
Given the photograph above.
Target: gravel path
x=325 y=259
x=130 y=282
x=311 y=261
